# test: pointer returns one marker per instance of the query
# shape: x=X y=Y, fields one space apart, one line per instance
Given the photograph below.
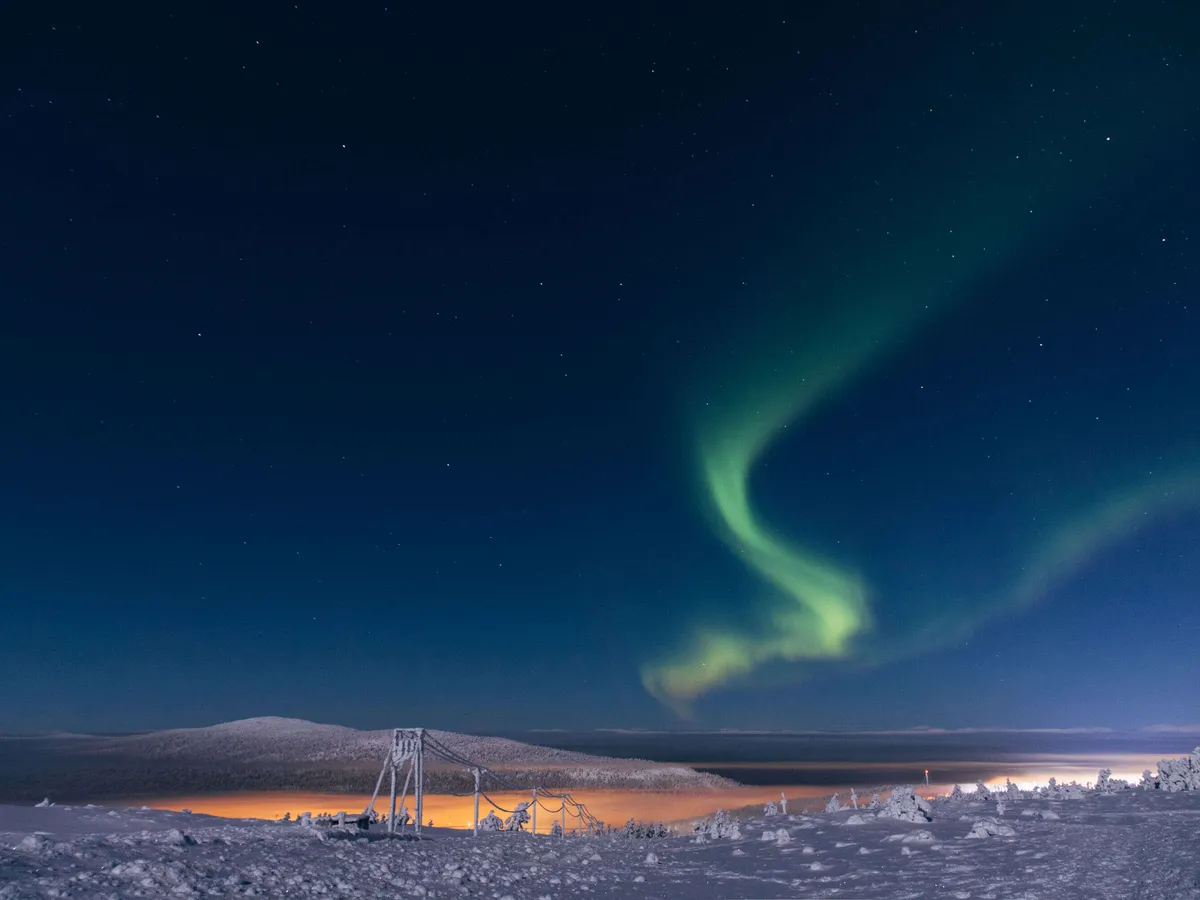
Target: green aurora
x=819 y=610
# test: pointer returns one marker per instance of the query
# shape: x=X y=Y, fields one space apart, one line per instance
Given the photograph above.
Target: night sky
x=493 y=367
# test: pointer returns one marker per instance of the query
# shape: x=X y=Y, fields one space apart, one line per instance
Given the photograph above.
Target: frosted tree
x=957 y=793
x=491 y=822
x=518 y=819
x=853 y=798
x=1106 y=784
x=1014 y=792
x=982 y=792
x=771 y=809
x=783 y=802
x=833 y=805
x=904 y=804
x=875 y=803
x=1180 y=774
x=1056 y=791
x=556 y=829
x=721 y=826
x=1148 y=782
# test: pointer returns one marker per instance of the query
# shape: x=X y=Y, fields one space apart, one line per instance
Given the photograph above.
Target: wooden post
x=533 y=829
x=563 y=820
x=392 y=817
x=419 y=765
x=476 y=826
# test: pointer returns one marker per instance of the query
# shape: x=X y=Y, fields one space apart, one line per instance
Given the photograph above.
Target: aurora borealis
x=828 y=369
x=987 y=213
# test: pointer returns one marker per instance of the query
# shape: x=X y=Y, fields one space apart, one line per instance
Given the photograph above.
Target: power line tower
x=407 y=756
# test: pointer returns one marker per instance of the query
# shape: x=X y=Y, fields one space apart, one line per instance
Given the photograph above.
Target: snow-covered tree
x=1148 y=782
x=904 y=804
x=1055 y=791
x=833 y=805
x=1106 y=784
x=771 y=809
x=783 y=802
x=556 y=828
x=1014 y=792
x=853 y=798
x=957 y=793
x=721 y=826
x=982 y=792
x=491 y=822
x=875 y=802
x=519 y=818
x=1180 y=774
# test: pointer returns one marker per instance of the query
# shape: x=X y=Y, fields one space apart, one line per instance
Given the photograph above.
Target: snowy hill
x=293 y=754
x=1132 y=844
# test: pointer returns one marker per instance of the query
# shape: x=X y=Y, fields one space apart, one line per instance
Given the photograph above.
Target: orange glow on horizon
x=614 y=807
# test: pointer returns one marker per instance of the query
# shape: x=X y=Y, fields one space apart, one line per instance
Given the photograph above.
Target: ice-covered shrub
x=875 y=803
x=43 y=804
x=999 y=807
x=720 y=826
x=1181 y=774
x=556 y=829
x=833 y=805
x=771 y=809
x=904 y=804
x=491 y=822
x=518 y=819
x=1055 y=791
x=1106 y=784
x=645 y=829
x=1148 y=782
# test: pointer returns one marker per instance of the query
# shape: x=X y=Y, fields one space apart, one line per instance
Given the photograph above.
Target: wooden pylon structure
x=406 y=756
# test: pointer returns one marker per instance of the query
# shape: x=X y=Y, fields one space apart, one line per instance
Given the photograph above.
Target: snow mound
x=990 y=828
x=32 y=843
x=857 y=819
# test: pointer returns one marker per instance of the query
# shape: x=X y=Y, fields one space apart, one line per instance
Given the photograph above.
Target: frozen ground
x=292 y=754
x=1129 y=845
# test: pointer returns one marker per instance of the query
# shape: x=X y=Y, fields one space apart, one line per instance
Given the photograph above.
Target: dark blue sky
x=358 y=364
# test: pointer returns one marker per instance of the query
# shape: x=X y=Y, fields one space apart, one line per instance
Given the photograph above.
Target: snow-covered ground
x=1125 y=845
x=292 y=754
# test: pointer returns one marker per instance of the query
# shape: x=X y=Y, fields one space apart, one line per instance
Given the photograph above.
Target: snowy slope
x=1133 y=844
x=292 y=754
